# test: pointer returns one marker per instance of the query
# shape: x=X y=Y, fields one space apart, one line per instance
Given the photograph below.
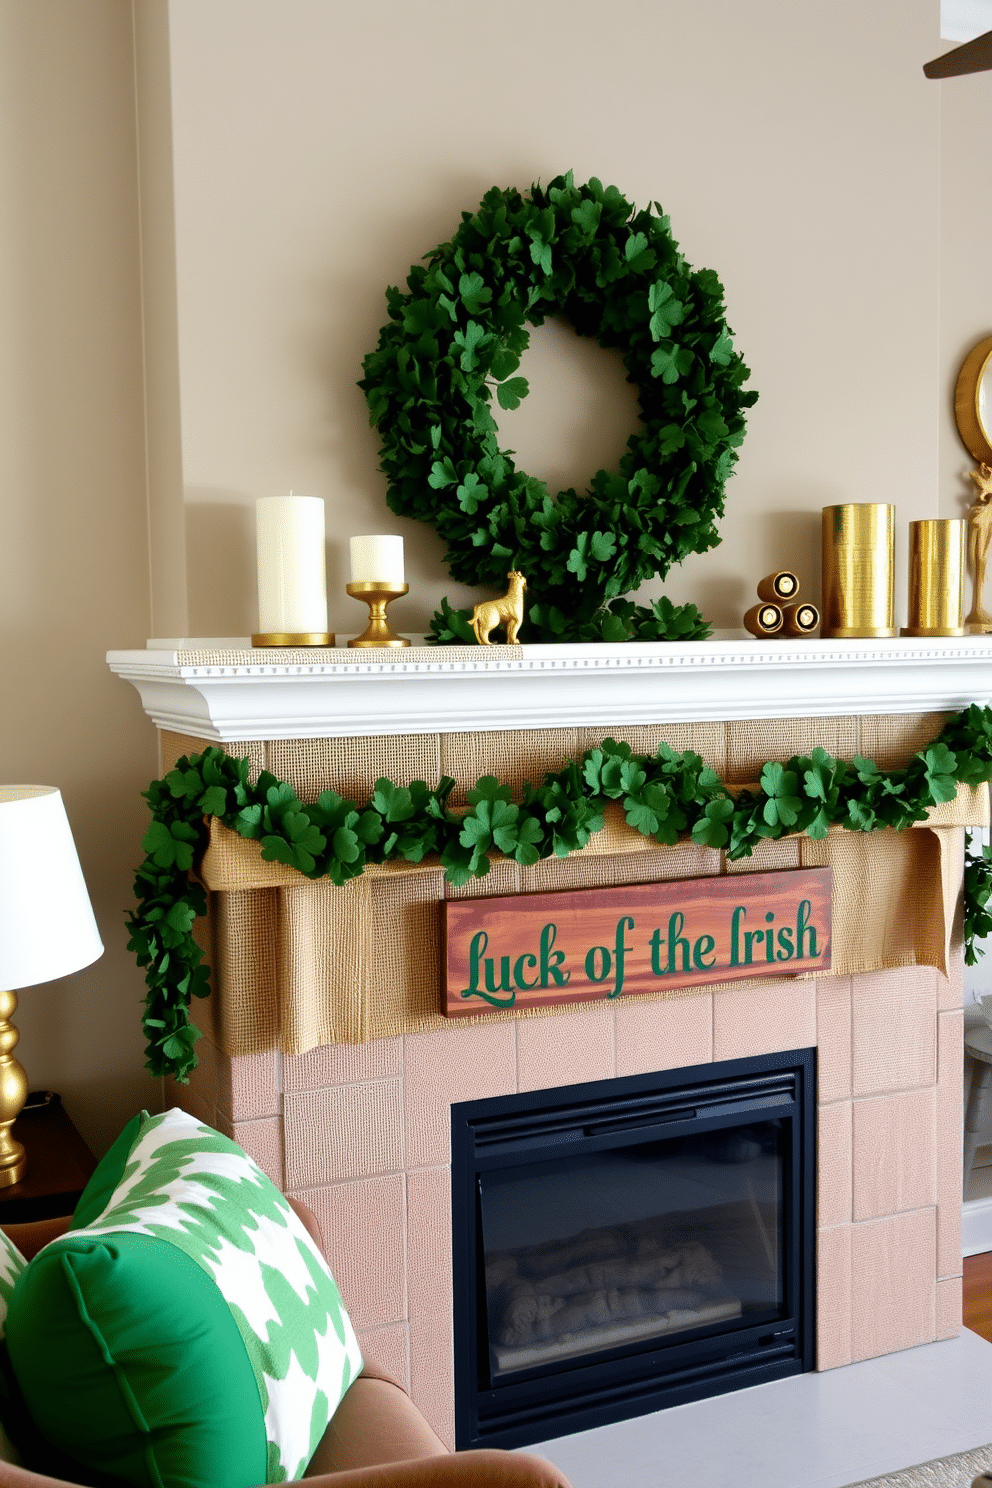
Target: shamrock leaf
x=783 y=805
x=666 y=310
x=671 y=362
x=471 y=340
x=941 y=765
x=710 y=830
x=170 y=846
x=471 y=493
x=443 y=473
x=510 y=394
x=392 y=802
x=474 y=293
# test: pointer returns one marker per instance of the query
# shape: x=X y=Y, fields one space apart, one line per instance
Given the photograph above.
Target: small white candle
x=292 y=583
x=377 y=560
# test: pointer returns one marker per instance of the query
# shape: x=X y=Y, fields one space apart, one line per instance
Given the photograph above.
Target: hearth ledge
x=229 y=695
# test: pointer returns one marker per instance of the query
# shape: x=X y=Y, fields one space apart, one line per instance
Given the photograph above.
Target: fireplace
x=623 y=1245
x=338 y=1074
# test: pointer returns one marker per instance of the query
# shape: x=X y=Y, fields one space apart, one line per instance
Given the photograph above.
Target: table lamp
x=47 y=930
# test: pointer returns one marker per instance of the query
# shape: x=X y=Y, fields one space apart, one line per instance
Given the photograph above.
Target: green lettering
x=750 y=936
x=804 y=928
x=676 y=924
x=704 y=945
x=769 y=938
x=476 y=951
x=551 y=960
x=605 y=962
x=740 y=913
x=626 y=922
x=656 y=944
x=786 y=948
x=518 y=971
x=505 y=985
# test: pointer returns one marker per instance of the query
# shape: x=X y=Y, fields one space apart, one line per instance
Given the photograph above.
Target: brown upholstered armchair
x=377 y=1438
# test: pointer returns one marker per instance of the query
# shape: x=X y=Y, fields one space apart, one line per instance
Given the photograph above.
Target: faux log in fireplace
x=630 y=1244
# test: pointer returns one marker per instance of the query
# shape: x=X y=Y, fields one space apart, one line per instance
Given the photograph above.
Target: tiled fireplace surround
x=361 y=1131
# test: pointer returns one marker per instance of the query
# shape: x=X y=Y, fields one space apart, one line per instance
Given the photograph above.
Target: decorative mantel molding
x=231 y=695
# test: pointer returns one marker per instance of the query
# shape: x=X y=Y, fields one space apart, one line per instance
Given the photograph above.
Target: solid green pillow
x=186 y=1333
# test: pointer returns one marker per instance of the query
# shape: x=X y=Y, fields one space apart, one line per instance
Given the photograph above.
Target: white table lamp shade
x=47 y=928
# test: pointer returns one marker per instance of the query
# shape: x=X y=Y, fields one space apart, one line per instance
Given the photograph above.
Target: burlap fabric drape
x=296 y=964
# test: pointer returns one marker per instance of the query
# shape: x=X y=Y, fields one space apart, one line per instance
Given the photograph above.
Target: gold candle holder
x=936 y=578
x=779 y=588
x=297 y=638
x=377 y=596
x=800 y=619
x=763 y=619
x=858 y=569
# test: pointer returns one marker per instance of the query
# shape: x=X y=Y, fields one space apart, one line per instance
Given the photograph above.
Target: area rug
x=944 y=1472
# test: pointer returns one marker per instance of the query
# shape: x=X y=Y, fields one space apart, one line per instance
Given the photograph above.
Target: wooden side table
x=59 y=1164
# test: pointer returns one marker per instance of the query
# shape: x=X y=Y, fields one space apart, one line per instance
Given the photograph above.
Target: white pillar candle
x=377 y=560
x=292 y=582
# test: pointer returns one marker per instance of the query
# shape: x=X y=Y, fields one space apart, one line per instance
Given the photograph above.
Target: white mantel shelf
x=238 y=695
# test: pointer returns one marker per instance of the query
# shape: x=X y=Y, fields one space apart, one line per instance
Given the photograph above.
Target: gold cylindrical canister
x=779 y=588
x=859 y=569
x=800 y=619
x=763 y=619
x=936 y=577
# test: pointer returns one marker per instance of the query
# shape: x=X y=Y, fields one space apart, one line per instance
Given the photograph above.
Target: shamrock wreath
x=457 y=335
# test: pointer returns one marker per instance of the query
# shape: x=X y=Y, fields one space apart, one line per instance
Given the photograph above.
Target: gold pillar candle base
x=377 y=596
x=926 y=630
x=297 y=638
x=858 y=632
x=978 y=627
x=800 y=619
x=13 y=1094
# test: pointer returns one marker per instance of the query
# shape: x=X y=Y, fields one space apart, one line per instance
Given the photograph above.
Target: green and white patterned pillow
x=12 y=1263
x=186 y=1332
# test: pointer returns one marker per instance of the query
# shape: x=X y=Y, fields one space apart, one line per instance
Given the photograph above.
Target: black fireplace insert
x=630 y=1244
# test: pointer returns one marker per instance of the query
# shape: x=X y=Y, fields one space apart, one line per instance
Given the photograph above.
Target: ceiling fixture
x=973 y=56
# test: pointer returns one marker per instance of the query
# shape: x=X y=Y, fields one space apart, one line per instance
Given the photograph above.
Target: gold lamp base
x=377 y=596
x=13 y=1094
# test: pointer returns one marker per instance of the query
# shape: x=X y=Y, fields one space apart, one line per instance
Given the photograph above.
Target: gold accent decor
x=763 y=619
x=779 y=587
x=13 y=1093
x=936 y=578
x=377 y=596
x=979 y=621
x=800 y=619
x=858 y=569
x=508 y=610
x=976 y=438
x=301 y=638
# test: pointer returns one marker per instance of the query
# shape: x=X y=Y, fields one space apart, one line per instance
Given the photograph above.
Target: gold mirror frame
x=966 y=394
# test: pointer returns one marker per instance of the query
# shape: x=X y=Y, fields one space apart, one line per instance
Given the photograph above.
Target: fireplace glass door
x=629 y=1244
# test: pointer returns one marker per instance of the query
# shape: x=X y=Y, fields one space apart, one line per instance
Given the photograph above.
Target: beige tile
x=833 y=1164
x=762 y=1017
x=833 y=1297
x=894 y=1148
x=452 y=1064
x=949 y=1307
x=893 y=1029
x=429 y=1296
x=751 y=743
x=364 y=1228
x=666 y=1034
x=248 y=1085
x=833 y=1037
x=893 y=1284
x=568 y=1050
x=950 y=989
x=950 y=1060
x=262 y=1140
x=347 y=1131
x=388 y=1349
x=343 y=1064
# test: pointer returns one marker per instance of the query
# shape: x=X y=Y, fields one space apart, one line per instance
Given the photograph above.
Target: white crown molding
x=235 y=696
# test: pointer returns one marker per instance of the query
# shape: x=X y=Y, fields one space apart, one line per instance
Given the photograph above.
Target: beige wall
x=171 y=349
x=321 y=149
x=73 y=555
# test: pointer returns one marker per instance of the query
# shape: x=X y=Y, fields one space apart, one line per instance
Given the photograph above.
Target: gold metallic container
x=763 y=619
x=779 y=588
x=858 y=569
x=936 y=578
x=800 y=619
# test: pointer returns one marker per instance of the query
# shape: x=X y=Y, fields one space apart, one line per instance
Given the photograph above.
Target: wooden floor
x=978 y=1294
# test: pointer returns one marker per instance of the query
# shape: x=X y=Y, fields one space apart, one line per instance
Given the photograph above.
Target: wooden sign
x=584 y=945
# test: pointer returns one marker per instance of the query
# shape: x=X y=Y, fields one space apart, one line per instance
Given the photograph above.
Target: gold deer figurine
x=508 y=610
x=979 y=621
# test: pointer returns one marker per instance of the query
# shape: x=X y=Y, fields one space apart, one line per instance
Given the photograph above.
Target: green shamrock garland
x=664 y=796
x=456 y=337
